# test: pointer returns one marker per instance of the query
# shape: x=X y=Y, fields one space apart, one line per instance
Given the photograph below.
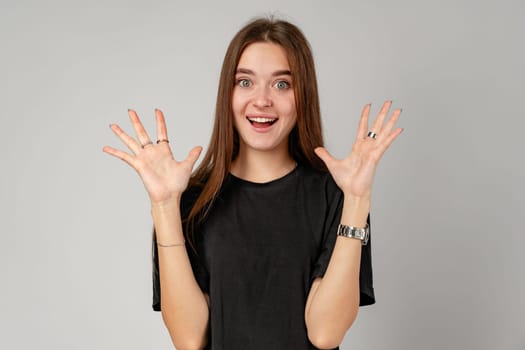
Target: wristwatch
x=361 y=233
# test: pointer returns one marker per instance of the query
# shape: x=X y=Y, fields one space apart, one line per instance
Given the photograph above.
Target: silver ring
x=145 y=144
x=163 y=140
x=372 y=134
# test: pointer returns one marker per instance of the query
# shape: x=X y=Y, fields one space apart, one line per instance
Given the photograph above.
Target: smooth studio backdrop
x=447 y=210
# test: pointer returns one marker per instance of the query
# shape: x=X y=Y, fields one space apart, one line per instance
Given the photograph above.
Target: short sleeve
x=333 y=220
x=199 y=270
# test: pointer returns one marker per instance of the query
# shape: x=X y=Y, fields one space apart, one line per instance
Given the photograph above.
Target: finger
x=363 y=122
x=389 y=139
x=162 y=132
x=193 y=155
x=141 y=133
x=125 y=138
x=325 y=156
x=119 y=154
x=393 y=135
x=389 y=125
x=378 y=123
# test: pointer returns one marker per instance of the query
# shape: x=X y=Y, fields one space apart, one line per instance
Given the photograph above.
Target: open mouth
x=260 y=122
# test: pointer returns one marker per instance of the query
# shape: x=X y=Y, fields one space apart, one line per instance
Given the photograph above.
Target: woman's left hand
x=355 y=173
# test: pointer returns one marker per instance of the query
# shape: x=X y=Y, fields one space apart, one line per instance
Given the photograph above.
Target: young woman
x=264 y=246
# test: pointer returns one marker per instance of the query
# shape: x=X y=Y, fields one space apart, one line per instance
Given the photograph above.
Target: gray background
x=448 y=198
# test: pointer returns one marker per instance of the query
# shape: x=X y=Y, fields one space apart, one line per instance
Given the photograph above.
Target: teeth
x=261 y=120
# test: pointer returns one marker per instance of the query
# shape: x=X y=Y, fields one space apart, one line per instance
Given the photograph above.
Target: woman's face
x=263 y=100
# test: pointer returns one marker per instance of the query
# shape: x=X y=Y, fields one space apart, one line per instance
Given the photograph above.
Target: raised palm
x=164 y=177
x=354 y=174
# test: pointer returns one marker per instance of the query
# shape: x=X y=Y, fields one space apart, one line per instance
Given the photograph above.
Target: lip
x=261 y=116
x=261 y=129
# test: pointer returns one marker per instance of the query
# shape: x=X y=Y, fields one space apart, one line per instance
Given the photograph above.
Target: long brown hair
x=224 y=143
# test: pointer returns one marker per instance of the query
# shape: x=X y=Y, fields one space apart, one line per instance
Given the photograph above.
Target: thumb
x=193 y=155
x=325 y=156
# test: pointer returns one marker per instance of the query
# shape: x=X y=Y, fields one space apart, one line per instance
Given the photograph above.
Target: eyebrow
x=274 y=74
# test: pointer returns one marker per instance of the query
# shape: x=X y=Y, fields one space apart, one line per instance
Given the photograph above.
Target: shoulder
x=318 y=180
x=188 y=199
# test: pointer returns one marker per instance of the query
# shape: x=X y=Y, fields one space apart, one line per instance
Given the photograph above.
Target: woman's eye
x=282 y=85
x=243 y=83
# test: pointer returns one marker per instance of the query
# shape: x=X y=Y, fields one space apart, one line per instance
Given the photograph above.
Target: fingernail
x=400 y=110
x=110 y=125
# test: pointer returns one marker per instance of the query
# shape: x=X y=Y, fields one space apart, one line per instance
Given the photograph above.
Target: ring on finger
x=146 y=144
x=163 y=140
x=372 y=134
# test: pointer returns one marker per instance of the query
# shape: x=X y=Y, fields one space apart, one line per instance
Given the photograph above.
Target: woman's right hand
x=164 y=177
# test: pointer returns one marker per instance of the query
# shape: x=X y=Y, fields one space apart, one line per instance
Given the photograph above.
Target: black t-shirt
x=258 y=252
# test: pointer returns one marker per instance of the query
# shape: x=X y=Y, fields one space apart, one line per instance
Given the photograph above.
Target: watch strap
x=361 y=233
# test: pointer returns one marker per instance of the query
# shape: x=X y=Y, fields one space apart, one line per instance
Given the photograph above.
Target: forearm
x=335 y=304
x=184 y=307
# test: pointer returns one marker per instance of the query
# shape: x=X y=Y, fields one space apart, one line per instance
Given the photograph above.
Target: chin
x=265 y=147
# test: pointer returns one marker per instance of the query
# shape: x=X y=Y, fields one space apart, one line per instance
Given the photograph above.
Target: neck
x=261 y=167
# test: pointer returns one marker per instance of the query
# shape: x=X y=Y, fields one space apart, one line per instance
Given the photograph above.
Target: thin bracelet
x=172 y=245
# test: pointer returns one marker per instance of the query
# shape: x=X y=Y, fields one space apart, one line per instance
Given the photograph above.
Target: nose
x=262 y=97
